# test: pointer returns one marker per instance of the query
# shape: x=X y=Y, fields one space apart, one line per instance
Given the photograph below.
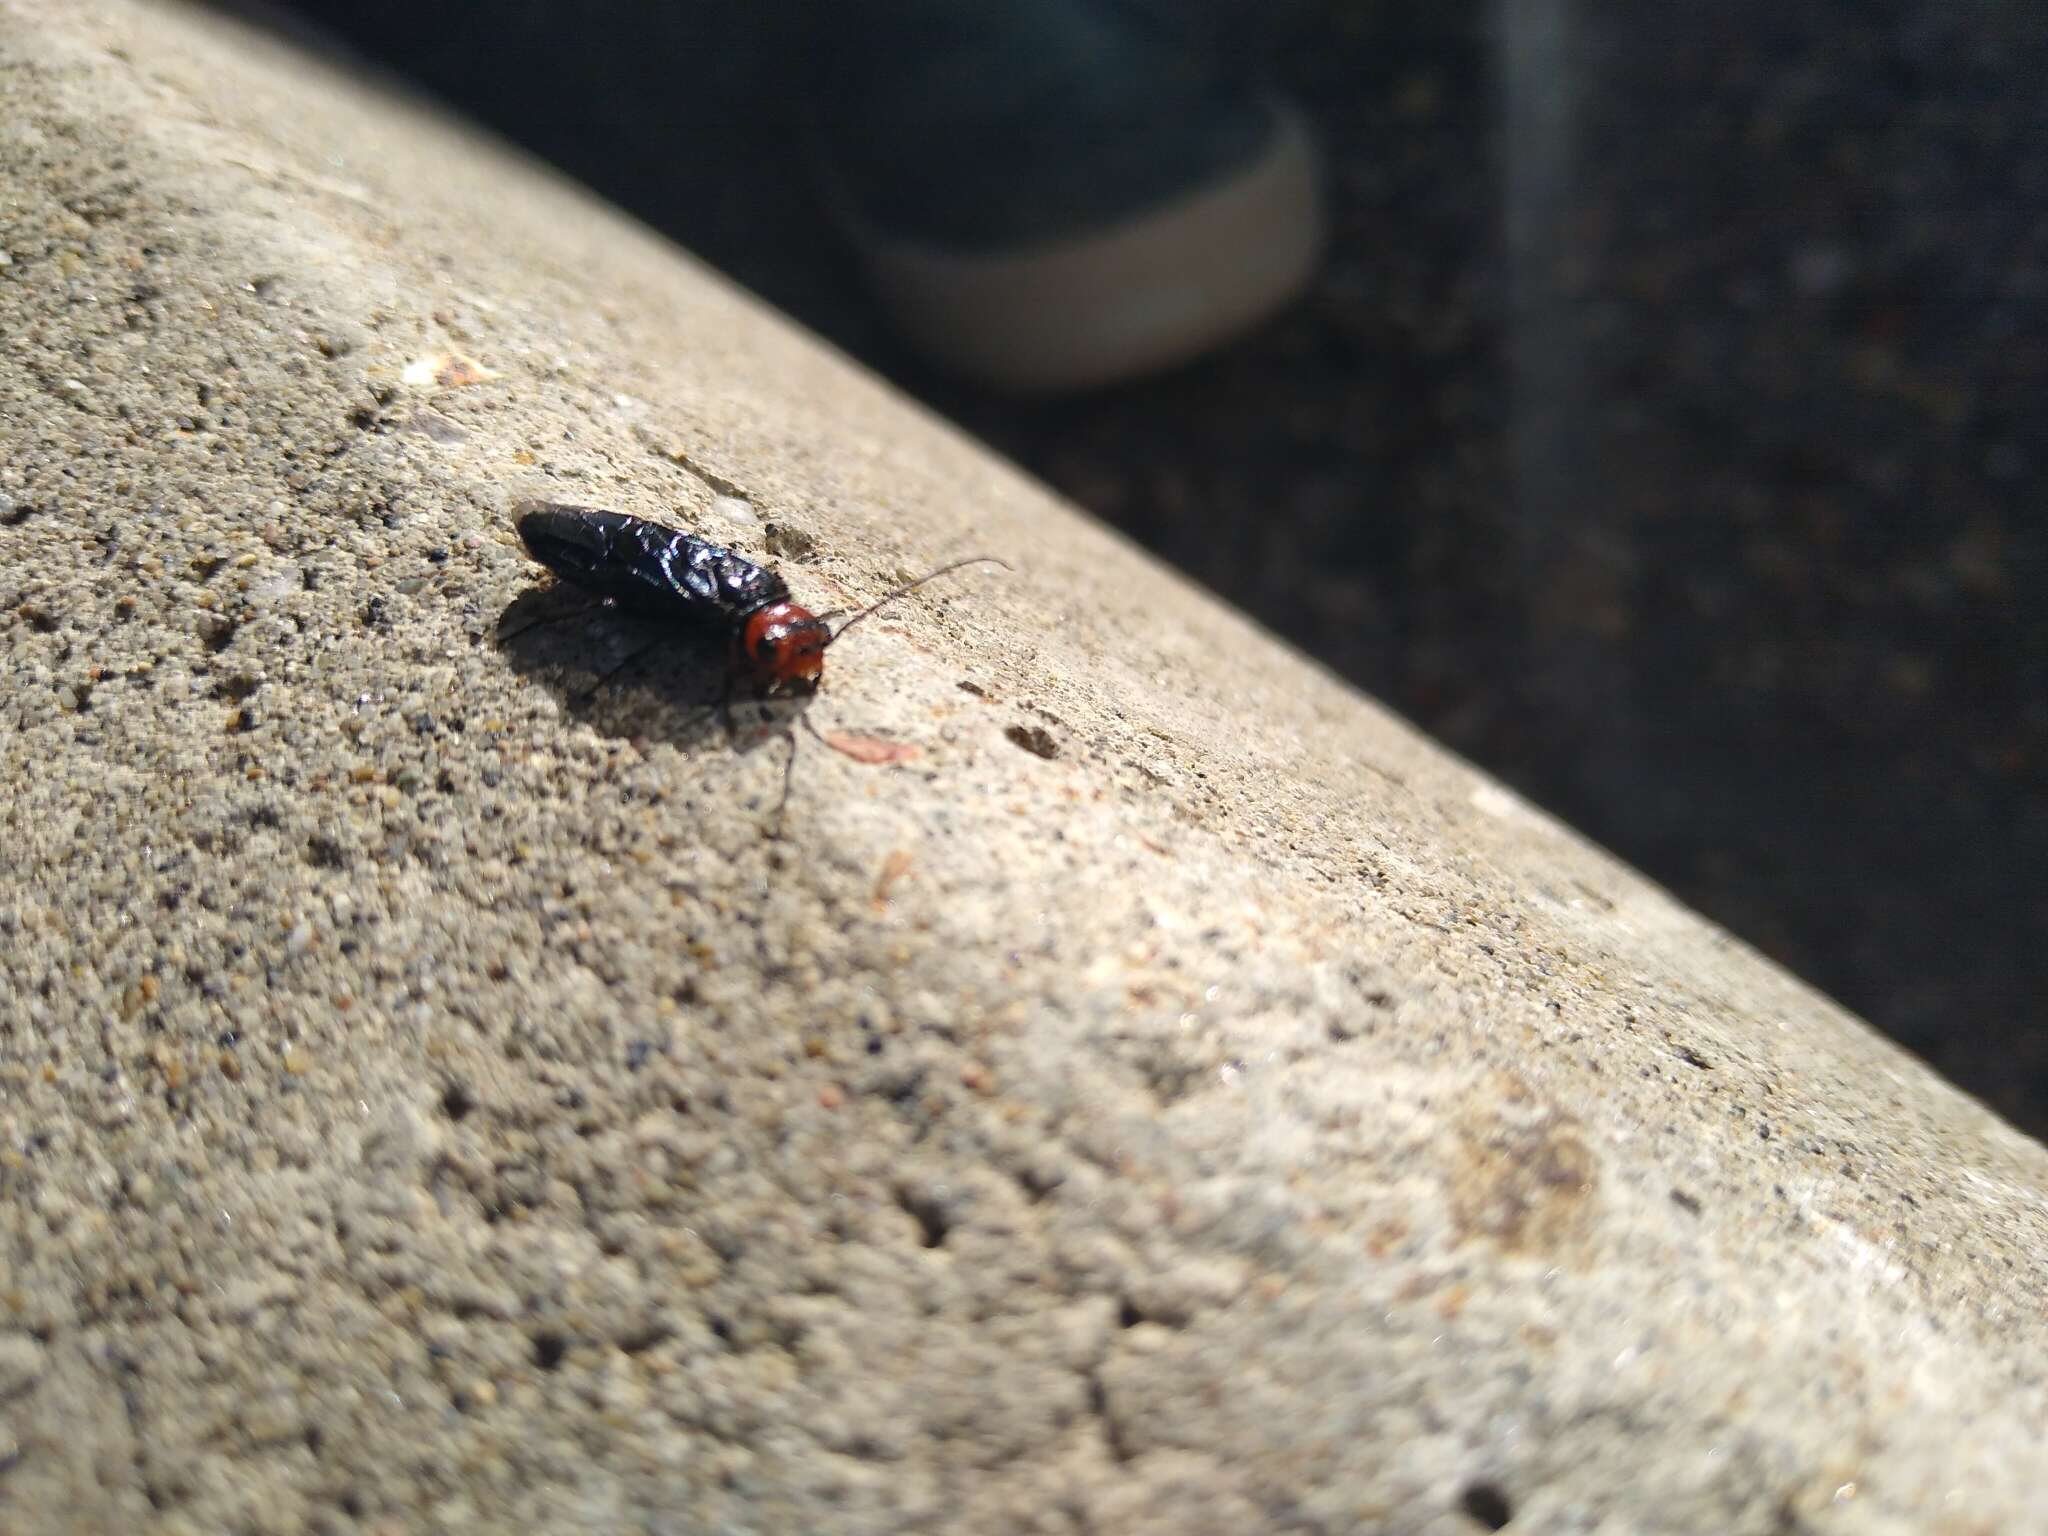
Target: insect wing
x=659 y=571
x=714 y=579
x=578 y=544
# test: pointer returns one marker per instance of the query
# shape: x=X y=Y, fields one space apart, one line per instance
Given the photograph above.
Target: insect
x=675 y=577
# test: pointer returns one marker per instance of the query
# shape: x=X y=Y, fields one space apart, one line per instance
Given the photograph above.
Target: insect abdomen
x=645 y=566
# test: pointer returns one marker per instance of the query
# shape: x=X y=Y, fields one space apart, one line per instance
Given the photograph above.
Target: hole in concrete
x=639 y=1340
x=1485 y=1503
x=457 y=1102
x=548 y=1350
x=324 y=852
x=1035 y=739
x=928 y=1214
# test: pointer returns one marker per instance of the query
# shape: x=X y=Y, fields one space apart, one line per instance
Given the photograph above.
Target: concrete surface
x=1178 y=1099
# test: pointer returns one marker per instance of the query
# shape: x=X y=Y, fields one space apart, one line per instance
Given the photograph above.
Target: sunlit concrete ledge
x=1146 y=1087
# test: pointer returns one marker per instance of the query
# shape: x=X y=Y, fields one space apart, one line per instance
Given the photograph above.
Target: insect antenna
x=911 y=586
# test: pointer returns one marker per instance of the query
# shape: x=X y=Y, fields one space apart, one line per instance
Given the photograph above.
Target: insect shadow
x=634 y=678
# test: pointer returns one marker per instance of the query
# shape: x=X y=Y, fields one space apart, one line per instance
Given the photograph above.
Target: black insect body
x=668 y=575
x=664 y=573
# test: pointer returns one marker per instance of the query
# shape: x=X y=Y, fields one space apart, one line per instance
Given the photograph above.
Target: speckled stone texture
x=1177 y=1098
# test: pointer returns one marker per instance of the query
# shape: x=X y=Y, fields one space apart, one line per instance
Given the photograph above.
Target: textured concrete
x=1177 y=1099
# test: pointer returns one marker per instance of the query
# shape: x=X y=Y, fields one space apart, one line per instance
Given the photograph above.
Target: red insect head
x=785 y=643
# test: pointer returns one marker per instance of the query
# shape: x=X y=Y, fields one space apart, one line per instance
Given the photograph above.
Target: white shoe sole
x=1118 y=303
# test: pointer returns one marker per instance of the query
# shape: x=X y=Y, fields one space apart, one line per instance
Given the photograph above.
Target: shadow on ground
x=633 y=679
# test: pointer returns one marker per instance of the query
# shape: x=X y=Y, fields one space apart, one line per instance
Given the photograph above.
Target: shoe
x=1052 y=195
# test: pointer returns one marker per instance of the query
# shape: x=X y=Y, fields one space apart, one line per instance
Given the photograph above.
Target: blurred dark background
x=1662 y=433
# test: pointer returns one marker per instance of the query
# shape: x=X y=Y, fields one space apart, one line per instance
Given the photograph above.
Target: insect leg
x=732 y=731
x=788 y=778
x=603 y=603
x=614 y=670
